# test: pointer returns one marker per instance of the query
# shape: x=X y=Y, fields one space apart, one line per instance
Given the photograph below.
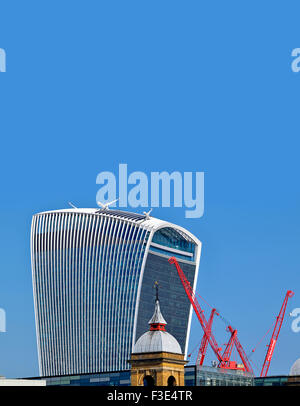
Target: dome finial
x=156 y=285
x=157 y=322
x=157 y=339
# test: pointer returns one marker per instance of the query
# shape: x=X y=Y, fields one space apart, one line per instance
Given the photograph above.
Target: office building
x=93 y=273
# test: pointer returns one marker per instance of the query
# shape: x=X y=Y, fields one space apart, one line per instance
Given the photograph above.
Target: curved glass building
x=93 y=273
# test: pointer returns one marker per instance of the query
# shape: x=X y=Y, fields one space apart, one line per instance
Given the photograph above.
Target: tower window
x=171 y=381
x=149 y=381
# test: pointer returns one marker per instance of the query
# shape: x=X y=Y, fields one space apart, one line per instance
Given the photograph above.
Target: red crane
x=208 y=336
x=241 y=351
x=204 y=342
x=275 y=334
x=199 y=312
x=226 y=363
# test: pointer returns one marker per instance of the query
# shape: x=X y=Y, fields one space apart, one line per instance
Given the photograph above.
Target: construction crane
x=199 y=312
x=241 y=351
x=226 y=363
x=224 y=360
x=204 y=342
x=275 y=335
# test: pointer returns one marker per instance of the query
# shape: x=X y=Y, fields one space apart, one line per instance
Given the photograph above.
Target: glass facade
x=171 y=238
x=121 y=378
x=193 y=376
x=190 y=375
x=209 y=376
x=174 y=303
x=93 y=276
x=271 y=381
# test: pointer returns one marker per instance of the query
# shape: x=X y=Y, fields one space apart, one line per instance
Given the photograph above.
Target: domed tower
x=157 y=359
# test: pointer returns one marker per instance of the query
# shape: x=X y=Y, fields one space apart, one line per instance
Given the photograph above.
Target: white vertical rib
x=121 y=274
x=96 y=322
x=91 y=281
x=104 y=296
x=35 y=282
x=72 y=272
x=115 y=311
x=51 y=283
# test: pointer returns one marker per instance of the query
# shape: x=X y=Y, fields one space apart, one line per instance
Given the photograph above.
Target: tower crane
x=199 y=312
x=275 y=334
x=205 y=338
x=226 y=363
x=224 y=360
x=241 y=351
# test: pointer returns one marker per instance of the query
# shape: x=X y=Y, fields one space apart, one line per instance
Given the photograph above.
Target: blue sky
x=173 y=85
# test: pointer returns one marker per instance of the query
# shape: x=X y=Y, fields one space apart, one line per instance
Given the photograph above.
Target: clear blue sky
x=172 y=85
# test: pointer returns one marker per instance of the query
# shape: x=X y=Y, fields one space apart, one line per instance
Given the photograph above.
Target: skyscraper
x=93 y=273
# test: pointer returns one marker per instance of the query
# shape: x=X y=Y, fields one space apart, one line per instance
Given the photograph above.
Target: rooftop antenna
x=106 y=205
x=147 y=214
x=72 y=205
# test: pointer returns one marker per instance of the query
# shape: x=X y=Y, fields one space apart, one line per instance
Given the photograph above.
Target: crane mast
x=241 y=352
x=276 y=331
x=197 y=308
x=208 y=336
x=227 y=352
x=205 y=338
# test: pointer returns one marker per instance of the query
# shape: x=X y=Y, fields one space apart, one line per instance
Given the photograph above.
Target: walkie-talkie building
x=93 y=274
